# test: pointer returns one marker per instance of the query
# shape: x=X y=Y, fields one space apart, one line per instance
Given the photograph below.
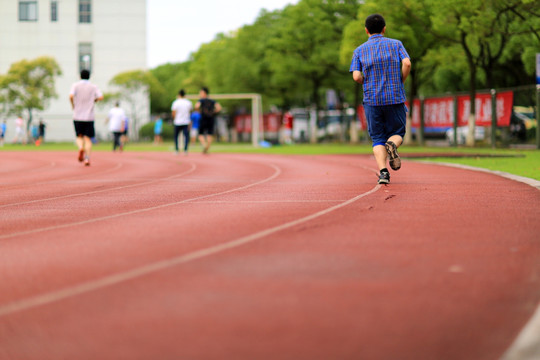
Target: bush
x=146 y=132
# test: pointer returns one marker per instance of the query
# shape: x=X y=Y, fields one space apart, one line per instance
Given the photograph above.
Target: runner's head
x=204 y=92
x=375 y=24
x=85 y=74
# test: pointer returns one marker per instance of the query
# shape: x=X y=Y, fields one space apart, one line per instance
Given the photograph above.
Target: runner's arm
x=358 y=76
x=405 y=68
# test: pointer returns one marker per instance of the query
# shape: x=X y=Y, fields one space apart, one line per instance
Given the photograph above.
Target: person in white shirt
x=19 y=131
x=83 y=96
x=181 y=112
x=116 y=120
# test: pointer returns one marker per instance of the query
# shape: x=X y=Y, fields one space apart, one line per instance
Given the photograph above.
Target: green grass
x=519 y=162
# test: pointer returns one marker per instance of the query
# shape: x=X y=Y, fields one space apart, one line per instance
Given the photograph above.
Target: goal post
x=257 y=130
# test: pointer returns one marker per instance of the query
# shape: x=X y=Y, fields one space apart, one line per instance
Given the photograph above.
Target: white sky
x=176 y=28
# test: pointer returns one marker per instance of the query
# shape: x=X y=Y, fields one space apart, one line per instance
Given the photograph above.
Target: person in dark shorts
x=83 y=96
x=181 y=113
x=116 y=120
x=381 y=65
x=208 y=109
x=3 y=128
x=41 y=132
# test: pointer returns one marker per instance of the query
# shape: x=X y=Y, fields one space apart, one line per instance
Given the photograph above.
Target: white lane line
x=193 y=167
x=525 y=180
x=527 y=344
x=277 y=172
x=118 y=166
x=26 y=171
x=114 y=279
x=267 y=201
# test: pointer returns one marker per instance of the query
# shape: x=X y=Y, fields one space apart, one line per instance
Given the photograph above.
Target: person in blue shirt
x=158 y=129
x=3 y=129
x=195 y=118
x=382 y=65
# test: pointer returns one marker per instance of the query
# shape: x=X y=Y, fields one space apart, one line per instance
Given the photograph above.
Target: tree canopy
x=29 y=85
x=293 y=56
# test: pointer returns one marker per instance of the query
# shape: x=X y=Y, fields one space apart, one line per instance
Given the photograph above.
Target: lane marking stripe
x=83 y=288
x=276 y=173
x=9 y=186
x=193 y=167
x=527 y=345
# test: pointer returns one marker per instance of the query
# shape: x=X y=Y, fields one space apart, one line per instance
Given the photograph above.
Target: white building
x=106 y=36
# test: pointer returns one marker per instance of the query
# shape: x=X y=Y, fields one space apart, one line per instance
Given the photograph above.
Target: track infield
x=228 y=256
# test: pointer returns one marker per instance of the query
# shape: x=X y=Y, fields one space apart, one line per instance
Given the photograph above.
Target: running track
x=154 y=256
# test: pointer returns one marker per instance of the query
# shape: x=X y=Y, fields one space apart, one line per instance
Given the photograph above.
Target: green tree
x=172 y=78
x=236 y=62
x=29 y=85
x=482 y=28
x=303 y=54
x=517 y=63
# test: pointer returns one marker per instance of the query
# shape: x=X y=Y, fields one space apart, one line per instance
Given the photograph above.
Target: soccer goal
x=257 y=131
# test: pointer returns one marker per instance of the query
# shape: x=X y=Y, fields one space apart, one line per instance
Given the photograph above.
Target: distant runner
x=382 y=65
x=83 y=96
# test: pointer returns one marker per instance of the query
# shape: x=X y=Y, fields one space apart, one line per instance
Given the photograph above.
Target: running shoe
x=384 y=177
x=393 y=156
x=81 y=155
x=86 y=162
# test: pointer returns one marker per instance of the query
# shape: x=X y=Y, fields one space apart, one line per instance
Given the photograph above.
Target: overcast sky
x=176 y=28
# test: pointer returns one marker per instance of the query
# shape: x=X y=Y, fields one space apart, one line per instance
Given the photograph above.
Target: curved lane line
x=63 y=226
x=193 y=167
x=531 y=182
x=26 y=171
x=110 y=280
x=118 y=166
x=526 y=345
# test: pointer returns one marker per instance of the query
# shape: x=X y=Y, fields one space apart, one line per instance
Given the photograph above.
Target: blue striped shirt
x=379 y=60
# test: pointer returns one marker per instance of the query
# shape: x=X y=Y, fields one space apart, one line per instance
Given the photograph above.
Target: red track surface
x=152 y=256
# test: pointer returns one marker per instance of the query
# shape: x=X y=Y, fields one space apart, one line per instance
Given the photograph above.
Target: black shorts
x=206 y=126
x=84 y=128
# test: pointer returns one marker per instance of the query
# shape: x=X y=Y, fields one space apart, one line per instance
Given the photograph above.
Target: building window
x=85 y=11
x=85 y=57
x=54 y=11
x=28 y=11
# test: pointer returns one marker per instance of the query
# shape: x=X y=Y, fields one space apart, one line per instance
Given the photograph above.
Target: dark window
x=85 y=56
x=28 y=11
x=54 y=11
x=85 y=11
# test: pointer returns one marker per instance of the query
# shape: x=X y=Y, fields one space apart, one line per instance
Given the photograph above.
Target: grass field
x=519 y=162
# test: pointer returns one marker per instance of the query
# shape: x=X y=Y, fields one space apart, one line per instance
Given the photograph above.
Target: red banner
x=362 y=117
x=439 y=112
x=242 y=123
x=271 y=123
x=505 y=102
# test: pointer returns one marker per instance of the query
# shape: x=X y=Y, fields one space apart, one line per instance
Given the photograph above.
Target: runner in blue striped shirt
x=382 y=65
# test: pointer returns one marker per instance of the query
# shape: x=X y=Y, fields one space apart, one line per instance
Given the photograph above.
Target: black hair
x=181 y=92
x=85 y=74
x=205 y=89
x=375 y=24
